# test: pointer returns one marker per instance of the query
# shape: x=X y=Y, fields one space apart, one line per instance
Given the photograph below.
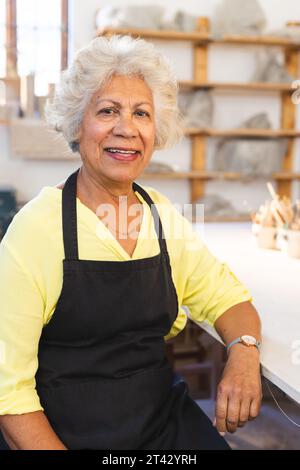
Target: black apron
x=103 y=379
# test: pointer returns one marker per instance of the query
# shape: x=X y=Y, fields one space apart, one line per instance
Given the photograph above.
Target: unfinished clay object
x=251 y=157
x=197 y=108
x=269 y=68
x=181 y=21
x=218 y=206
x=244 y=17
x=130 y=16
x=258 y=121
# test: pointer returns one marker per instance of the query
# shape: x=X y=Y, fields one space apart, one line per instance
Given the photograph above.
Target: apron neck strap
x=157 y=222
x=69 y=217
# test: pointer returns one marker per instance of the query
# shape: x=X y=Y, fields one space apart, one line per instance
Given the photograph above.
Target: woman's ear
x=74 y=146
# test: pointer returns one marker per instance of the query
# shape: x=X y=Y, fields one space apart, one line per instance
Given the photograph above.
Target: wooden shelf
x=214 y=175
x=249 y=86
x=196 y=175
x=202 y=38
x=286 y=176
x=157 y=34
x=219 y=219
x=250 y=133
x=238 y=218
x=264 y=40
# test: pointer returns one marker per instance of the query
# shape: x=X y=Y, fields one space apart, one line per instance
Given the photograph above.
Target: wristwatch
x=247 y=340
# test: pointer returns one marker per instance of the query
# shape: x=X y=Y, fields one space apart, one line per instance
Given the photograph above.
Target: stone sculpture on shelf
x=181 y=21
x=144 y=17
x=196 y=108
x=269 y=68
x=32 y=139
x=258 y=121
x=217 y=206
x=130 y=16
x=252 y=158
x=244 y=17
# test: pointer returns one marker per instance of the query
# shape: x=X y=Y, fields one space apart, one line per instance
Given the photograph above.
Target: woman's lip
x=122 y=157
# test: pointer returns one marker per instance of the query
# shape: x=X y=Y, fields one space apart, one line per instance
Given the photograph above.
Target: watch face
x=249 y=340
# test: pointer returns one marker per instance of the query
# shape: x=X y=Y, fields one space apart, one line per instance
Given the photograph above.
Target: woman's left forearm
x=239 y=392
x=241 y=319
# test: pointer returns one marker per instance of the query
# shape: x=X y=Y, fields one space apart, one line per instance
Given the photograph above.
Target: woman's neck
x=95 y=191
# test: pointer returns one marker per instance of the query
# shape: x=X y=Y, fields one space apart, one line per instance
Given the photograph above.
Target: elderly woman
x=92 y=284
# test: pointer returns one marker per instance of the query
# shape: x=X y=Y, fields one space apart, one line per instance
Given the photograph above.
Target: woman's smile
x=122 y=155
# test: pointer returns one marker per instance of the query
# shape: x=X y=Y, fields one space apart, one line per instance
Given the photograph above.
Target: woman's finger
x=244 y=411
x=221 y=411
x=233 y=413
x=254 y=408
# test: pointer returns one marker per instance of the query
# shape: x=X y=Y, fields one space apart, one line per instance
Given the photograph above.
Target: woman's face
x=118 y=129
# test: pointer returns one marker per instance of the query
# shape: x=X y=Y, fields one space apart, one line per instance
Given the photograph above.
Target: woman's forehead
x=119 y=88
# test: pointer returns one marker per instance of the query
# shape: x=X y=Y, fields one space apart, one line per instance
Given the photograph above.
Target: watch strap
x=239 y=340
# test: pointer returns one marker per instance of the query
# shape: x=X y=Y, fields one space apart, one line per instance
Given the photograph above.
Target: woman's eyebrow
x=117 y=103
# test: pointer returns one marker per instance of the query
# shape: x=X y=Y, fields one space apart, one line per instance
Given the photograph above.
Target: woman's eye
x=106 y=111
x=142 y=113
x=111 y=111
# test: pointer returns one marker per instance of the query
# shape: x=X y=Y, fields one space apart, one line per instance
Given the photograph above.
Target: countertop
x=273 y=278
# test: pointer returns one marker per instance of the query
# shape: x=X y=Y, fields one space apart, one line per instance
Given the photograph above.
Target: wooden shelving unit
x=213 y=175
x=202 y=36
x=251 y=86
x=201 y=41
x=250 y=133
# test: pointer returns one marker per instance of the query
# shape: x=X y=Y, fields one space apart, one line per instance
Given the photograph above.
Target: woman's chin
x=123 y=175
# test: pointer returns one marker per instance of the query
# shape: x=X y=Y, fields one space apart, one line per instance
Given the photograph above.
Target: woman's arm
x=29 y=431
x=22 y=420
x=213 y=294
x=241 y=319
x=239 y=392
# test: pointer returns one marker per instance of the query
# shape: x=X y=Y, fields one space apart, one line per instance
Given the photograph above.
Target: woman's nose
x=125 y=126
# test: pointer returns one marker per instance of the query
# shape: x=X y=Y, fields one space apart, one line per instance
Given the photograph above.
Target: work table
x=273 y=278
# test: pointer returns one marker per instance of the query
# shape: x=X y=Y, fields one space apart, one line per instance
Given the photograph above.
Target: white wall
x=225 y=63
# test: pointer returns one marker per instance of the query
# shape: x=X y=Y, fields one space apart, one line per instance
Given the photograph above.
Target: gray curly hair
x=96 y=63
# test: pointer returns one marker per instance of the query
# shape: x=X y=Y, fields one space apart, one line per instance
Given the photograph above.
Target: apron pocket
x=110 y=413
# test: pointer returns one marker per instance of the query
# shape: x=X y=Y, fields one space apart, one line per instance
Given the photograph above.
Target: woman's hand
x=239 y=392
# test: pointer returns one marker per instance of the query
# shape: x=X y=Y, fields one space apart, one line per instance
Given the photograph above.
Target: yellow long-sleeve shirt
x=31 y=274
